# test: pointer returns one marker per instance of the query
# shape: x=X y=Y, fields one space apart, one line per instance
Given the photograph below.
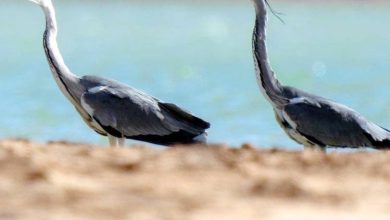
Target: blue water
x=195 y=55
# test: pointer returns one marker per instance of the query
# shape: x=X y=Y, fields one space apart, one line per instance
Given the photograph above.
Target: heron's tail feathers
x=192 y=129
x=180 y=137
x=382 y=145
x=185 y=117
x=379 y=143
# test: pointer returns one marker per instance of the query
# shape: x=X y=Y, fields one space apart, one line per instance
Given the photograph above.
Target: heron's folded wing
x=329 y=123
x=127 y=111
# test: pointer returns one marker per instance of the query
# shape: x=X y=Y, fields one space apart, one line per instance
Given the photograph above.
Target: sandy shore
x=70 y=181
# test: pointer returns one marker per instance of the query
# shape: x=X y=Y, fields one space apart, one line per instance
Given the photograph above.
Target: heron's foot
x=315 y=148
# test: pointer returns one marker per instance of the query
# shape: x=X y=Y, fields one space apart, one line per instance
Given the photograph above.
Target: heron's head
x=42 y=3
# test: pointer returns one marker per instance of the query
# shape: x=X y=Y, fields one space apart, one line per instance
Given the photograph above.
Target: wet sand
x=75 y=181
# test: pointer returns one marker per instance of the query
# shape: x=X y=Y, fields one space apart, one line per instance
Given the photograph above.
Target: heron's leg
x=113 y=141
x=314 y=148
x=121 y=142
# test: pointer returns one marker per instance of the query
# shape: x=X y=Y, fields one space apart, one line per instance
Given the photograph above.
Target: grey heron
x=114 y=109
x=310 y=120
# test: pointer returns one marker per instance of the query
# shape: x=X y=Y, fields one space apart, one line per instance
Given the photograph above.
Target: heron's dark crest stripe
x=275 y=13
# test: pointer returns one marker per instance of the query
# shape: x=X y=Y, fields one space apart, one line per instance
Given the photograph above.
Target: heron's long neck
x=266 y=79
x=66 y=80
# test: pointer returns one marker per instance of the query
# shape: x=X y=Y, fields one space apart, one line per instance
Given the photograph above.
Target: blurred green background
x=196 y=54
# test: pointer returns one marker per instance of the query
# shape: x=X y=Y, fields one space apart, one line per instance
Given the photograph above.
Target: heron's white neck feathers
x=50 y=15
x=50 y=41
x=266 y=79
x=65 y=79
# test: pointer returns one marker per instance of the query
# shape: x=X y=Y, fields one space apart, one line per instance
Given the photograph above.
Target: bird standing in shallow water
x=310 y=120
x=114 y=109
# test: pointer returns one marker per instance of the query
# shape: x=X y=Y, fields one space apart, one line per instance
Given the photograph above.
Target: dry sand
x=71 y=181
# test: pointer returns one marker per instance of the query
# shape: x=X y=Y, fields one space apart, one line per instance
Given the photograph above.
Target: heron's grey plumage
x=125 y=111
x=114 y=109
x=308 y=119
